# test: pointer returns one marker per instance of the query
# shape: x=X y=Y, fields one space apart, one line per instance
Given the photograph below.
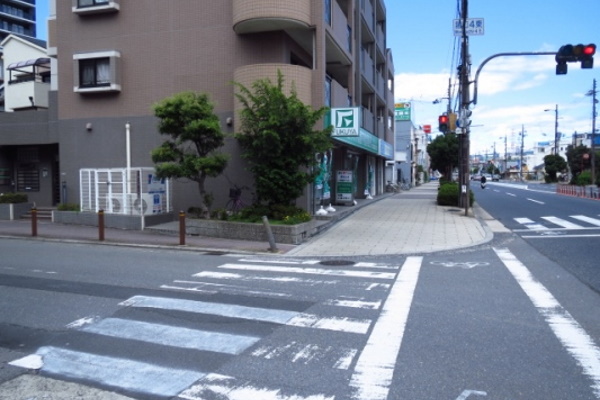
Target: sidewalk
x=403 y=223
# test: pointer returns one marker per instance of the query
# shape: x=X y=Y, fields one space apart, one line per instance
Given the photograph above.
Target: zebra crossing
x=547 y=223
x=194 y=341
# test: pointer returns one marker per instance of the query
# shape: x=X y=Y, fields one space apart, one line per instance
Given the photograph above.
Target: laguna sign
x=346 y=122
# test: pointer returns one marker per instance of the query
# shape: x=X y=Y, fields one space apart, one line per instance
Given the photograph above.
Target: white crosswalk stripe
x=589 y=220
x=556 y=223
x=154 y=321
x=562 y=223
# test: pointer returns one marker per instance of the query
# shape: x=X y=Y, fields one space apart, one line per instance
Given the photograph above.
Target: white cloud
x=423 y=87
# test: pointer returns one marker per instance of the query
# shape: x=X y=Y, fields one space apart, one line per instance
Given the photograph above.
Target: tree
x=580 y=159
x=443 y=152
x=279 y=140
x=195 y=132
x=553 y=164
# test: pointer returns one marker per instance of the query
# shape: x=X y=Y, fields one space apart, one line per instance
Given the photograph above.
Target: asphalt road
x=563 y=228
x=499 y=321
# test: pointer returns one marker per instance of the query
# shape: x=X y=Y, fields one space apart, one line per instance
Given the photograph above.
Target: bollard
x=34 y=221
x=273 y=248
x=181 y=228
x=101 y=225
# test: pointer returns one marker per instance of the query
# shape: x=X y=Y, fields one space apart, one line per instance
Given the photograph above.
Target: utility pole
x=593 y=146
x=465 y=102
x=505 y=158
x=522 y=146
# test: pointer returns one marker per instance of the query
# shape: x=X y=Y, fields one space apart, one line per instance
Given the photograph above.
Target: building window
x=97 y=72
x=91 y=3
x=327 y=4
x=94 y=72
x=84 y=7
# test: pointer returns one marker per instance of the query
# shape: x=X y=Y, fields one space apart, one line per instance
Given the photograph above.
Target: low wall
x=119 y=221
x=12 y=211
x=285 y=234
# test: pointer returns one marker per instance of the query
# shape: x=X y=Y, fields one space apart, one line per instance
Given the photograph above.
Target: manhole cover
x=337 y=262
x=454 y=209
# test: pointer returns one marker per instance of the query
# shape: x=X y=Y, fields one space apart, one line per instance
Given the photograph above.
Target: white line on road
x=312 y=271
x=216 y=386
x=591 y=221
x=374 y=369
x=284 y=317
x=568 y=331
x=117 y=372
x=173 y=336
x=561 y=222
x=536 y=201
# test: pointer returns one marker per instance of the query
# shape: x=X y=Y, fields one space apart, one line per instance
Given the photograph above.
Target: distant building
x=17 y=16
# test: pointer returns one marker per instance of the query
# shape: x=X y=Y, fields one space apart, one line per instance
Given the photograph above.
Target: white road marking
x=358 y=303
x=202 y=307
x=311 y=271
x=536 y=201
x=374 y=370
x=568 y=331
x=591 y=221
x=349 y=325
x=173 y=336
x=266 y=261
x=464 y=395
x=283 y=317
x=227 y=387
x=562 y=222
x=117 y=372
x=530 y=224
x=82 y=322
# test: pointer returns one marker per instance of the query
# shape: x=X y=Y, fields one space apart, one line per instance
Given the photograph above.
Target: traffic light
x=452 y=122
x=578 y=53
x=443 y=123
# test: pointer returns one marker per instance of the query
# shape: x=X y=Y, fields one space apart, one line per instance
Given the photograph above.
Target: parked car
x=495 y=178
x=476 y=177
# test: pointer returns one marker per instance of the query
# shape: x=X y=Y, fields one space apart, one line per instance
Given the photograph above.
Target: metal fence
x=128 y=191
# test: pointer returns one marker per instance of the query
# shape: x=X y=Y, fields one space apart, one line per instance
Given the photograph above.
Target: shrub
x=448 y=195
x=68 y=207
x=584 y=178
x=13 y=198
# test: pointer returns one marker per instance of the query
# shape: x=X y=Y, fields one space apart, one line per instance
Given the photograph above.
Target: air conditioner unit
x=145 y=204
x=115 y=204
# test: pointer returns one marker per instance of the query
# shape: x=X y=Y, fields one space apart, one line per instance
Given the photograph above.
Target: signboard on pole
x=402 y=111
x=474 y=27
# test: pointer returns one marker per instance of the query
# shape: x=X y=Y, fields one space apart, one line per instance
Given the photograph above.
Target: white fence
x=128 y=191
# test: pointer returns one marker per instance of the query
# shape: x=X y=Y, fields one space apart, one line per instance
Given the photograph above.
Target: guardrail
x=588 y=192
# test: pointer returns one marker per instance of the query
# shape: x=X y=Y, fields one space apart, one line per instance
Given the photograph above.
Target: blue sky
x=513 y=91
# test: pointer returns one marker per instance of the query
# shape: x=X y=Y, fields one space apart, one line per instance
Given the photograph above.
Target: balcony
x=251 y=16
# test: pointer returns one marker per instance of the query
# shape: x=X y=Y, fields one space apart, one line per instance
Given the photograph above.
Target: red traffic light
x=589 y=50
x=443 y=123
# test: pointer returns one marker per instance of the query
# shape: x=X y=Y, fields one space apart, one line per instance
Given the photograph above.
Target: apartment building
x=111 y=60
x=17 y=16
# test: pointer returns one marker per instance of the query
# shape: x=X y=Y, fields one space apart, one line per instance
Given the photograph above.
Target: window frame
x=97 y=7
x=112 y=83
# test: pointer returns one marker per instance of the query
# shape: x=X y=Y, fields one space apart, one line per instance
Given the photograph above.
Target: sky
x=513 y=92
